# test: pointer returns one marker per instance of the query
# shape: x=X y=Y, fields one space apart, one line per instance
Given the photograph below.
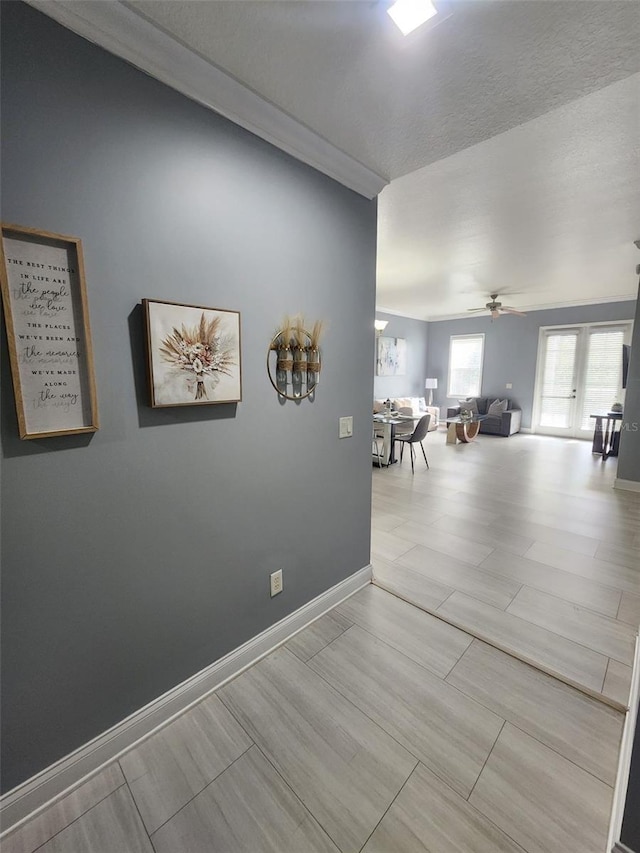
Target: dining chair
x=377 y=447
x=416 y=437
x=407 y=427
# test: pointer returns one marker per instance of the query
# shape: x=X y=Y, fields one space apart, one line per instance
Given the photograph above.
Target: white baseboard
x=619 y=847
x=624 y=761
x=57 y=780
x=626 y=485
x=526 y=430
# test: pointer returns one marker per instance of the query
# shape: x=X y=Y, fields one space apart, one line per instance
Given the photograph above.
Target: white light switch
x=346 y=427
x=509 y=385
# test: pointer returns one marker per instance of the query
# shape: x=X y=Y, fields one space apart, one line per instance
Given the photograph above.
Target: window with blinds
x=465 y=366
x=603 y=373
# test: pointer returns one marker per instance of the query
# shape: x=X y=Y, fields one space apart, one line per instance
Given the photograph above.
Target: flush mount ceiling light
x=408 y=15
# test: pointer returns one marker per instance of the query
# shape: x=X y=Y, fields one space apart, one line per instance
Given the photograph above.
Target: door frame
x=576 y=432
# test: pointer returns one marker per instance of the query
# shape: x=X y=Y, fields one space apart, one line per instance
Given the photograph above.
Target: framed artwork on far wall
x=391 y=357
x=193 y=354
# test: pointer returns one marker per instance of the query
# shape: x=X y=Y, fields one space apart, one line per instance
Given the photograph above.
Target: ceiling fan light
x=408 y=15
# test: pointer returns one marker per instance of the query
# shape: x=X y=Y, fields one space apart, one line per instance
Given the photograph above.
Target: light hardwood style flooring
x=384 y=728
x=398 y=732
x=523 y=543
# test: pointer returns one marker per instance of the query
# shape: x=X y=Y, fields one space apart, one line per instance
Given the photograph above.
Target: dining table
x=386 y=423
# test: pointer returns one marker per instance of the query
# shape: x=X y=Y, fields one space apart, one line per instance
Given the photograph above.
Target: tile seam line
x=135 y=805
x=265 y=753
x=556 y=569
x=401 y=789
x=71 y=822
x=592 y=694
x=493 y=746
x=453 y=686
x=382 y=640
x=297 y=796
x=535 y=624
x=364 y=713
x=326 y=645
x=537 y=739
x=564 y=637
x=197 y=794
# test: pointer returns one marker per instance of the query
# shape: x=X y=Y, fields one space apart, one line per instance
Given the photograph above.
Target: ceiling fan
x=497 y=308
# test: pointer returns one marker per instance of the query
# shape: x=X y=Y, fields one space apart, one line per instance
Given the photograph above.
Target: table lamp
x=429 y=385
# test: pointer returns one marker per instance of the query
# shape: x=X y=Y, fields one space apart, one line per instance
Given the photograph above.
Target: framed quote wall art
x=47 y=320
x=193 y=354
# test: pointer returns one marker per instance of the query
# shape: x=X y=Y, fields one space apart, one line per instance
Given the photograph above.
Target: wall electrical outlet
x=509 y=385
x=276 y=582
x=346 y=427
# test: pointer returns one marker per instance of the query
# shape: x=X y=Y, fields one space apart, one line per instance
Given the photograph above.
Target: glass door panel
x=602 y=382
x=559 y=382
x=579 y=375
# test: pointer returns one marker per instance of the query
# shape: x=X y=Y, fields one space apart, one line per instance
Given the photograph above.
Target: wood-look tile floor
x=378 y=728
x=385 y=729
x=541 y=556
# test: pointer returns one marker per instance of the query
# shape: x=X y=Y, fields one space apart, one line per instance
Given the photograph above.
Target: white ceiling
x=509 y=131
x=546 y=212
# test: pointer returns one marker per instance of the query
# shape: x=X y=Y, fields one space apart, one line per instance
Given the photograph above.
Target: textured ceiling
x=395 y=103
x=509 y=131
x=547 y=212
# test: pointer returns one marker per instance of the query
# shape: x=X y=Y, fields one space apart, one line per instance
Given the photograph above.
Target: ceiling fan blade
x=506 y=310
x=475 y=310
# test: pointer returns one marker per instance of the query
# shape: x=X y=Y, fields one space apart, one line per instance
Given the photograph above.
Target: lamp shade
x=380 y=325
x=430 y=383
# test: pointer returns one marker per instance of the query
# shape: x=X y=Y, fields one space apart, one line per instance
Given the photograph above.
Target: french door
x=579 y=374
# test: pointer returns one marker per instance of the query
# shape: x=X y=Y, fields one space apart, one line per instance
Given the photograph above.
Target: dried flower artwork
x=194 y=354
x=201 y=352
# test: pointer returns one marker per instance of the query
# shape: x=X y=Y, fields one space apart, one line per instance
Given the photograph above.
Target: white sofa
x=416 y=404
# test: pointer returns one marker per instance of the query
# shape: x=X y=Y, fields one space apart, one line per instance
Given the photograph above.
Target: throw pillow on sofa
x=497 y=408
x=413 y=403
x=470 y=405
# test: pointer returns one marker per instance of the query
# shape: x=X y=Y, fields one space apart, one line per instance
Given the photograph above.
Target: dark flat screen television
x=626 y=352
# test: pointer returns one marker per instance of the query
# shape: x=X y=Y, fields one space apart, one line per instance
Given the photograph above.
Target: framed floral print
x=193 y=354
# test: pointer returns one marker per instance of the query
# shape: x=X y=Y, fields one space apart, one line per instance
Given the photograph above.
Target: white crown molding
x=126 y=34
x=600 y=300
x=54 y=782
x=577 y=303
x=393 y=313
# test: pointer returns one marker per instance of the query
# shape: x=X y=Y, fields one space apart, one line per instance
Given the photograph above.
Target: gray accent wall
x=412 y=384
x=511 y=348
x=137 y=556
x=629 y=453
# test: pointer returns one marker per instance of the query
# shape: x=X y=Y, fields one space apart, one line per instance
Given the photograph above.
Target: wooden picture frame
x=47 y=319
x=193 y=354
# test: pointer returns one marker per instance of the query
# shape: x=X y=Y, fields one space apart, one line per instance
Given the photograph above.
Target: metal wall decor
x=294 y=359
